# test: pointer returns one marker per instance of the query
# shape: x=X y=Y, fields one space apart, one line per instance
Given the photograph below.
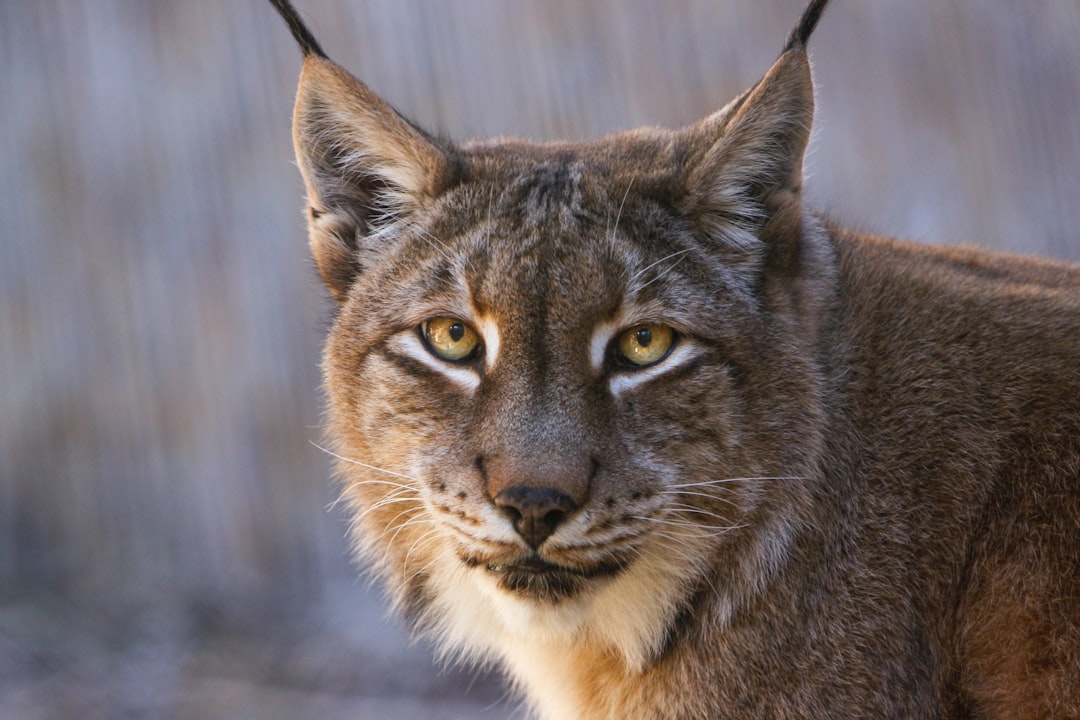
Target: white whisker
x=384 y=503
x=397 y=527
x=720 y=530
x=403 y=486
x=331 y=453
x=421 y=520
x=618 y=215
x=724 y=481
x=685 y=494
x=422 y=539
x=650 y=266
x=681 y=508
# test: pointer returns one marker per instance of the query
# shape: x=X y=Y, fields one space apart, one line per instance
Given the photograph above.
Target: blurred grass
x=160 y=321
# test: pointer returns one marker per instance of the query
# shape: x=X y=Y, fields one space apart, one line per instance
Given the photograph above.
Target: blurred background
x=168 y=547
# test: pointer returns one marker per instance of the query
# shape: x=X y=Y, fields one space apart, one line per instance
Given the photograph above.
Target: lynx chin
x=626 y=419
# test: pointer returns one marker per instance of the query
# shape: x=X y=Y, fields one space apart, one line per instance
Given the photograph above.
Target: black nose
x=535 y=512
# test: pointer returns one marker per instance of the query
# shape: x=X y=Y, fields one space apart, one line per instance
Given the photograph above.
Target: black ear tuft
x=308 y=44
x=801 y=32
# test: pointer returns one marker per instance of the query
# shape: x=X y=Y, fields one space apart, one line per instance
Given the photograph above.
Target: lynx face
x=545 y=379
x=570 y=385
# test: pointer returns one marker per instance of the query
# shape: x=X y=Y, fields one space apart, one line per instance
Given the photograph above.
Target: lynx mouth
x=534 y=578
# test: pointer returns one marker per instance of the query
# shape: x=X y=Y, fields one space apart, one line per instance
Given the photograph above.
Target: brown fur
x=851 y=490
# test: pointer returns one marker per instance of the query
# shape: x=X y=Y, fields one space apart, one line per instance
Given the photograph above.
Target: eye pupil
x=450 y=339
x=644 y=345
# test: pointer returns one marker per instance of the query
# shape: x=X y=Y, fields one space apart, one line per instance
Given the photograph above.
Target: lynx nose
x=535 y=512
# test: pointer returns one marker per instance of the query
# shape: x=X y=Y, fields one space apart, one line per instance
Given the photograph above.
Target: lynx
x=626 y=419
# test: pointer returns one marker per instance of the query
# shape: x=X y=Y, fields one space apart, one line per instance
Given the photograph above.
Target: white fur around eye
x=683 y=352
x=598 y=346
x=489 y=334
x=409 y=343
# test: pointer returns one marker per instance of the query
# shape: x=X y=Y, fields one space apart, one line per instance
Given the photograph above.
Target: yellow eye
x=646 y=344
x=451 y=339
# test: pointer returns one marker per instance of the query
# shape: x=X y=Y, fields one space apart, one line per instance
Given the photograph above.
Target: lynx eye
x=450 y=339
x=645 y=344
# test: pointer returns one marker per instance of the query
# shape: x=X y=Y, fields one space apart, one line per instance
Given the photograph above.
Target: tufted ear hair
x=744 y=181
x=749 y=155
x=365 y=167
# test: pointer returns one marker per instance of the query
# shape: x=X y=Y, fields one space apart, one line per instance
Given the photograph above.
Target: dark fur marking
x=801 y=32
x=541 y=580
x=304 y=38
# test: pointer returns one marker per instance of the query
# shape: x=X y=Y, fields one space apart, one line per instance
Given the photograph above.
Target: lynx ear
x=744 y=184
x=364 y=165
x=749 y=166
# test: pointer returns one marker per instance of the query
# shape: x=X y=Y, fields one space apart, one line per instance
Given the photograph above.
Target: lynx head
x=571 y=386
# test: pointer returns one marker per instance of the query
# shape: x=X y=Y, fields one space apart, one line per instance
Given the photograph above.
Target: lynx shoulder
x=627 y=419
